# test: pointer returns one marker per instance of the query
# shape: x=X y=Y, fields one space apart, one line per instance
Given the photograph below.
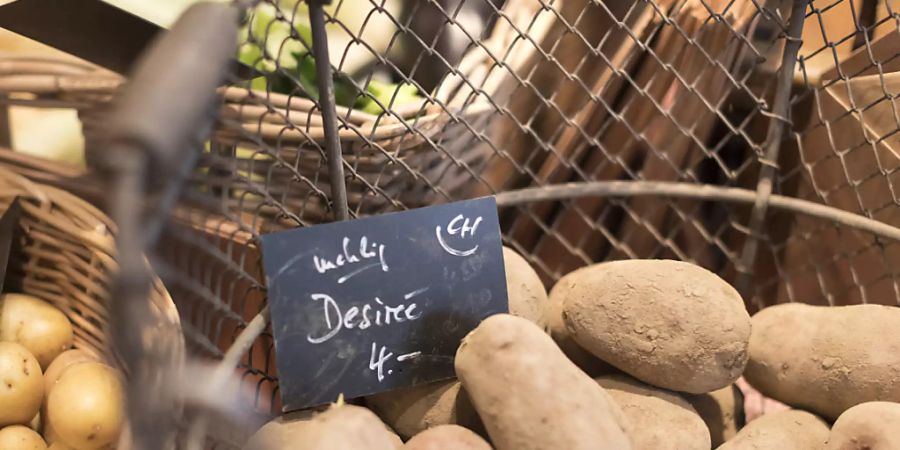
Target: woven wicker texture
x=65 y=255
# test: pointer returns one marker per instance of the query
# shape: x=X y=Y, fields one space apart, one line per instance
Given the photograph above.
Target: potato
x=62 y=362
x=344 y=427
x=447 y=437
x=35 y=422
x=36 y=324
x=529 y=395
x=20 y=437
x=867 y=426
x=721 y=410
x=553 y=320
x=412 y=410
x=783 y=430
x=86 y=406
x=667 y=323
x=658 y=419
x=526 y=292
x=279 y=432
x=59 y=446
x=21 y=385
x=826 y=359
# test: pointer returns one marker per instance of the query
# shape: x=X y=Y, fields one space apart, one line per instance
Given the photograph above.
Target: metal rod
x=329 y=115
x=698 y=192
x=148 y=401
x=780 y=111
x=5 y=128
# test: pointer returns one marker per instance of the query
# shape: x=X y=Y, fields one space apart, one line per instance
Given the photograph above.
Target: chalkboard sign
x=9 y=226
x=380 y=303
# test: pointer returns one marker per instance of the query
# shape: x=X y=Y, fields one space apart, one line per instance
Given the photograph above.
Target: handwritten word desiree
x=363 y=317
x=367 y=252
x=462 y=226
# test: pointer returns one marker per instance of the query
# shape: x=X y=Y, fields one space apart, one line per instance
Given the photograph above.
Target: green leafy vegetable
x=280 y=55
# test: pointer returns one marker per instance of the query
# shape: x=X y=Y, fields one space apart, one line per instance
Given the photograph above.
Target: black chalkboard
x=380 y=303
x=9 y=227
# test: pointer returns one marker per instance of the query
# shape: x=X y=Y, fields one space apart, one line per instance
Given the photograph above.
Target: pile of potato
x=51 y=394
x=637 y=354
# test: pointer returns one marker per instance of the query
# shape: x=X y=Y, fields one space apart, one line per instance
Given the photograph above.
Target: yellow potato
x=21 y=385
x=20 y=437
x=36 y=324
x=59 y=446
x=35 y=423
x=86 y=406
x=62 y=362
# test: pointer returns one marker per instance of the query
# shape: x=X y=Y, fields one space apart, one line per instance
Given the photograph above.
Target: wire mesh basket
x=753 y=139
x=672 y=112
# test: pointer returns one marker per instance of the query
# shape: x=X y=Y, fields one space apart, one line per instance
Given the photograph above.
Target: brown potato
x=59 y=446
x=21 y=385
x=867 y=426
x=527 y=294
x=658 y=419
x=86 y=406
x=529 y=395
x=554 y=324
x=721 y=410
x=447 y=437
x=344 y=427
x=667 y=323
x=20 y=437
x=783 y=430
x=279 y=432
x=412 y=410
x=826 y=359
x=62 y=362
x=37 y=325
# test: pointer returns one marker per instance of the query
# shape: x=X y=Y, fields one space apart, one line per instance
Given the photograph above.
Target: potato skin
x=529 y=395
x=344 y=427
x=867 y=426
x=62 y=362
x=659 y=419
x=554 y=324
x=19 y=437
x=86 y=408
x=526 y=292
x=447 y=437
x=44 y=330
x=412 y=410
x=783 y=430
x=721 y=410
x=826 y=359
x=23 y=385
x=671 y=324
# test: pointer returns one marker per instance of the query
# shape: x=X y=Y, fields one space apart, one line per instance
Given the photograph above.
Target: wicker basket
x=65 y=253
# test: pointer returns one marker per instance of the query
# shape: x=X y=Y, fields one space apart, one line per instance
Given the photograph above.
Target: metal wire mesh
x=442 y=100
